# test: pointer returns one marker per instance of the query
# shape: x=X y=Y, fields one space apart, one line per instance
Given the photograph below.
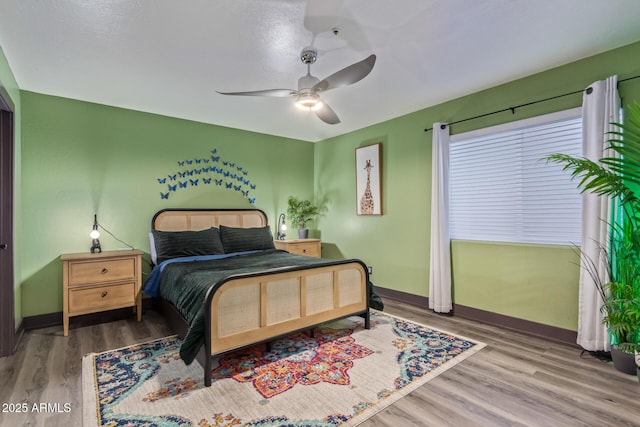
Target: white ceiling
x=170 y=57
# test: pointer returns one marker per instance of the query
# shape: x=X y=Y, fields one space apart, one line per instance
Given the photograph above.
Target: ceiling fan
x=307 y=96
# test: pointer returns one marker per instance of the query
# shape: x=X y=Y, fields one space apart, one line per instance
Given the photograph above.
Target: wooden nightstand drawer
x=308 y=247
x=88 y=300
x=104 y=271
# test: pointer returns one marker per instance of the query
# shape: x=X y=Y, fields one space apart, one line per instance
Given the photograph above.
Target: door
x=7 y=321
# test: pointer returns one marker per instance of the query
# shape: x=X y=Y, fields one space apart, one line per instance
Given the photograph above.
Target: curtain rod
x=513 y=109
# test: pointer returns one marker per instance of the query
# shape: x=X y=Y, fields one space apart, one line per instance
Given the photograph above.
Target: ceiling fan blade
x=349 y=75
x=327 y=115
x=279 y=93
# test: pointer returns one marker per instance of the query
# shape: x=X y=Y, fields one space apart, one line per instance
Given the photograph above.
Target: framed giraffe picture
x=369 y=179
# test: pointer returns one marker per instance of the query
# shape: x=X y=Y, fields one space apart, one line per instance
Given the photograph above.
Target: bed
x=240 y=290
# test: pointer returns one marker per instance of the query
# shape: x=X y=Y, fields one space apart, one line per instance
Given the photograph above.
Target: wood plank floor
x=517 y=380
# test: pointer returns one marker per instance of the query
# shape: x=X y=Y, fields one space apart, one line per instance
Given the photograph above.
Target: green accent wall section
x=81 y=158
x=537 y=283
x=8 y=82
x=532 y=282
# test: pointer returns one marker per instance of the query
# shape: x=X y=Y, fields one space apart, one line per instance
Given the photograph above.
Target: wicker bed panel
x=238 y=309
x=183 y=220
x=319 y=293
x=283 y=300
x=350 y=289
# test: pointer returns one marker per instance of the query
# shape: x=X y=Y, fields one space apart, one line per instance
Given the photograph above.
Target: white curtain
x=440 y=257
x=600 y=107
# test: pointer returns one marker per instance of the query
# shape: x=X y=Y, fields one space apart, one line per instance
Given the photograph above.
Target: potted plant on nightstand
x=300 y=212
x=619 y=178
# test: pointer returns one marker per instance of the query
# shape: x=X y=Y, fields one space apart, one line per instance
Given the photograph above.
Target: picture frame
x=369 y=179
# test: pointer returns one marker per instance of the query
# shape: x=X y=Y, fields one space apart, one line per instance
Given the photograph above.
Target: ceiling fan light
x=309 y=102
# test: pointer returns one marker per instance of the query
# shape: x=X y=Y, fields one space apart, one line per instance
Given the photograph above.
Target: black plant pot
x=638 y=373
x=624 y=362
x=303 y=233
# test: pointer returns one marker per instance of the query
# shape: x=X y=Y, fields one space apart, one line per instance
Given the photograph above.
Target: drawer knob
x=104 y=271
x=304 y=251
x=104 y=294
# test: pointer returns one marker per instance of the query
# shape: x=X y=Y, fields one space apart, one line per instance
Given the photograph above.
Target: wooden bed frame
x=250 y=308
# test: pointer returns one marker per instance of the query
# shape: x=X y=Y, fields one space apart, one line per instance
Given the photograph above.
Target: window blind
x=502 y=190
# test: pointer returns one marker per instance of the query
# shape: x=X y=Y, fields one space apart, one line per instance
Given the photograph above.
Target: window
x=501 y=190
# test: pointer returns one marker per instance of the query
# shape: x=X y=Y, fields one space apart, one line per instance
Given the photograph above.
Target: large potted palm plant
x=619 y=178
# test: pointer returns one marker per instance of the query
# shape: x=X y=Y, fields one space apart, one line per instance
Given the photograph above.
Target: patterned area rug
x=340 y=377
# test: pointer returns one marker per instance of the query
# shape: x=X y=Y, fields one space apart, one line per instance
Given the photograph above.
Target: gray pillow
x=236 y=239
x=174 y=244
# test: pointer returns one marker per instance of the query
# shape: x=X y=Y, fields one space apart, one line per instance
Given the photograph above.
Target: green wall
x=532 y=282
x=8 y=82
x=80 y=158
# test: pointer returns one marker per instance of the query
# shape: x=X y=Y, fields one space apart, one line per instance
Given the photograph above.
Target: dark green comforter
x=185 y=285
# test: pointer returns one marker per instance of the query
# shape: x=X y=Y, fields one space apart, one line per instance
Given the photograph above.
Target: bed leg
x=207 y=365
x=367 y=320
x=207 y=371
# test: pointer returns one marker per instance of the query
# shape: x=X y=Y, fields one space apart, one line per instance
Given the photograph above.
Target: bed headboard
x=200 y=219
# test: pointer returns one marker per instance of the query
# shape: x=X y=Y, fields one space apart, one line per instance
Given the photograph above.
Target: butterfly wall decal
x=236 y=174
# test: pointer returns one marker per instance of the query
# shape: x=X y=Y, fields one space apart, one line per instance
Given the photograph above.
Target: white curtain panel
x=440 y=255
x=600 y=107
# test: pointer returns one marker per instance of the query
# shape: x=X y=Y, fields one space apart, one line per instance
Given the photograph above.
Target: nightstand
x=94 y=282
x=308 y=247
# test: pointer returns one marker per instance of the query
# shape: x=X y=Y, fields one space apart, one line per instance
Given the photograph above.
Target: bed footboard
x=250 y=308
